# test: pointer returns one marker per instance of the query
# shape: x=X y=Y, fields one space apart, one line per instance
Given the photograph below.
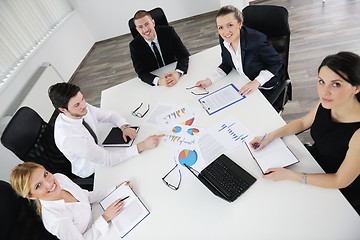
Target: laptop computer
x=224 y=178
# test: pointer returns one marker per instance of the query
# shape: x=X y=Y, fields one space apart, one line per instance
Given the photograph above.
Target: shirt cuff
x=264 y=76
x=179 y=71
x=133 y=151
x=101 y=225
x=156 y=81
x=217 y=75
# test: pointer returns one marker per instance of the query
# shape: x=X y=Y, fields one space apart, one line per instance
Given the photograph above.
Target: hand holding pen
x=114 y=209
x=259 y=142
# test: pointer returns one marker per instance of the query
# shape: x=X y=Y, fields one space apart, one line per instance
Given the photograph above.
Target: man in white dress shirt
x=79 y=143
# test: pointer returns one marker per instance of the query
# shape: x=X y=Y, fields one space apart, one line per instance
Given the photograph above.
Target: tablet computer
x=115 y=138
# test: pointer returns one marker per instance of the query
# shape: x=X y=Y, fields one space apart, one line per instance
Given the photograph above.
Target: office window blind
x=24 y=25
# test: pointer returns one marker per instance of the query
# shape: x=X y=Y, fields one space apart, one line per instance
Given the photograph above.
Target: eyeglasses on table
x=138 y=114
x=204 y=93
x=170 y=185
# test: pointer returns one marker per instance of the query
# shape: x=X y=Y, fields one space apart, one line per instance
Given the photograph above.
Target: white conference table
x=268 y=210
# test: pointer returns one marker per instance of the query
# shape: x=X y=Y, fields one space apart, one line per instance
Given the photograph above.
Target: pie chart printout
x=193 y=131
x=188 y=157
x=176 y=129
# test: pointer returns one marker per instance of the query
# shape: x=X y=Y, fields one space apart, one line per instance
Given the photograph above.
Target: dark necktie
x=86 y=125
x=157 y=54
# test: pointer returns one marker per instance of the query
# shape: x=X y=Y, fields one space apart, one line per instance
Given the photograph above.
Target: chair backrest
x=31 y=139
x=273 y=22
x=18 y=217
x=22 y=132
x=157 y=14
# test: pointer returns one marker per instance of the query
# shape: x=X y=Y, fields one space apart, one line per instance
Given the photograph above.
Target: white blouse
x=262 y=78
x=73 y=220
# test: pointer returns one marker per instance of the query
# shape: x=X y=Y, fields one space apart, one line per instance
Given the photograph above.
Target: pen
x=258 y=145
x=124 y=198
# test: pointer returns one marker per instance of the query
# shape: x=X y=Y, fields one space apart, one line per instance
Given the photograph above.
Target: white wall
x=65 y=50
x=109 y=18
x=240 y=4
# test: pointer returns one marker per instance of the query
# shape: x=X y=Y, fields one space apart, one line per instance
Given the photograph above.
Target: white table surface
x=268 y=210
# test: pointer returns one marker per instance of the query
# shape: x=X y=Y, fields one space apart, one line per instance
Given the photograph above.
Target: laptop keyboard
x=234 y=186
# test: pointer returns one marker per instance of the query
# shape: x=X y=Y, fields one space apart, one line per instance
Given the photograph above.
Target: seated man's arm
x=141 y=63
x=181 y=53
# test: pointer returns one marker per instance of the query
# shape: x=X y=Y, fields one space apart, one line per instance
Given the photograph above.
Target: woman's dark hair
x=346 y=65
x=60 y=94
x=225 y=10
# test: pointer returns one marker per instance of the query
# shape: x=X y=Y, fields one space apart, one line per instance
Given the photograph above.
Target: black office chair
x=19 y=220
x=157 y=14
x=31 y=139
x=273 y=22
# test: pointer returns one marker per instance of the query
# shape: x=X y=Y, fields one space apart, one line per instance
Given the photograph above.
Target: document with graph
x=221 y=99
x=133 y=213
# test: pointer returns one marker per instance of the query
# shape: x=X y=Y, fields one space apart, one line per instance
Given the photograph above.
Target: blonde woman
x=64 y=207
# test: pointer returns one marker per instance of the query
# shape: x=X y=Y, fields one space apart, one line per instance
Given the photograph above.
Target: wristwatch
x=303 y=178
x=125 y=126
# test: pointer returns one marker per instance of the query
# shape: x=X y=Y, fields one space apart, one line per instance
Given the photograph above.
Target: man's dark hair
x=142 y=13
x=60 y=94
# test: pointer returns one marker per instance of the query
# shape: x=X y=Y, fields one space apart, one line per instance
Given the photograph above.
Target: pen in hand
x=122 y=200
x=259 y=143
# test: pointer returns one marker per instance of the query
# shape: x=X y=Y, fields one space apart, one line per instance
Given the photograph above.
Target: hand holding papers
x=133 y=213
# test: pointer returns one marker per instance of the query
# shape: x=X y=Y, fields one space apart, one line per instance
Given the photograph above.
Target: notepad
x=275 y=155
x=134 y=211
x=115 y=138
x=221 y=98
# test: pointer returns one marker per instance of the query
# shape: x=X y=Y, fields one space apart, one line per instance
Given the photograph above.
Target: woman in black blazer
x=247 y=51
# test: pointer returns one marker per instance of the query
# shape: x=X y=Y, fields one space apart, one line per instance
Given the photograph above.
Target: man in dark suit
x=155 y=47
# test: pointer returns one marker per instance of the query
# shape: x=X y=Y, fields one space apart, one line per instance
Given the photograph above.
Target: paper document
x=221 y=99
x=225 y=136
x=133 y=213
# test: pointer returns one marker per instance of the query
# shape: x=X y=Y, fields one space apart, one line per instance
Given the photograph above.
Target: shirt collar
x=71 y=120
x=229 y=48
x=156 y=40
x=53 y=204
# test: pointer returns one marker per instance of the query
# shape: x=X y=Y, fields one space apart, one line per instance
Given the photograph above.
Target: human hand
x=129 y=132
x=169 y=79
x=113 y=210
x=203 y=83
x=277 y=174
x=249 y=87
x=260 y=142
x=149 y=143
x=127 y=183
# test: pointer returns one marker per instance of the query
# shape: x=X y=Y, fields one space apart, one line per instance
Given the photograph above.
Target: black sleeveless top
x=331 y=140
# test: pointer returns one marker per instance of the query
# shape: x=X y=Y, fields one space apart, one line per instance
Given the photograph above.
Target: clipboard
x=221 y=98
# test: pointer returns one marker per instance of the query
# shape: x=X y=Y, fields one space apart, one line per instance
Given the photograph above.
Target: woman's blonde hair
x=20 y=181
